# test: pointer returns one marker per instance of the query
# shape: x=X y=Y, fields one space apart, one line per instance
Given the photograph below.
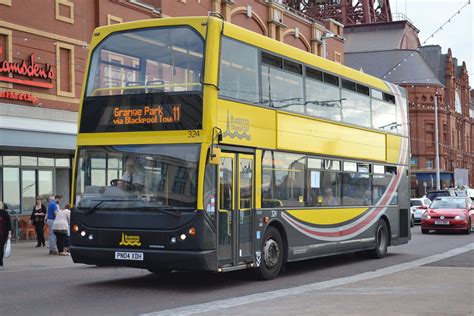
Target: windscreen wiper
x=170 y=210
x=100 y=202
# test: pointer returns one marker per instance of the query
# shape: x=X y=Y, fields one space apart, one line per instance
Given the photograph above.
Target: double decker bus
x=204 y=146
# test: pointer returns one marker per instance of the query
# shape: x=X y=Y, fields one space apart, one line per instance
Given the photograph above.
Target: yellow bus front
x=142 y=146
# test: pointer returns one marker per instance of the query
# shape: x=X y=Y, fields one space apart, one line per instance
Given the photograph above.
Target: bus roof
x=302 y=56
x=255 y=39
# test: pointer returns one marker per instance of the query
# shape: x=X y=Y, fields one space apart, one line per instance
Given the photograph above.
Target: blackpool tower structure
x=347 y=12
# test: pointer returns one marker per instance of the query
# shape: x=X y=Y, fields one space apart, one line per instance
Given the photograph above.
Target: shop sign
x=27 y=97
x=27 y=68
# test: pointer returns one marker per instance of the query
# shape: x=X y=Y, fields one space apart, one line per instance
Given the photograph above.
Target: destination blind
x=137 y=112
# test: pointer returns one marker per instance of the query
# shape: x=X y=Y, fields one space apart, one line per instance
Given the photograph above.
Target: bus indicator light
x=192 y=232
x=75 y=228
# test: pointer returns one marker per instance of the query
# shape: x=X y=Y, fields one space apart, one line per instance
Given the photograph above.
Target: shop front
x=36 y=154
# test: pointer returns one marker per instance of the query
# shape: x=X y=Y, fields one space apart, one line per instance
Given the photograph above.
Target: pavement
x=25 y=257
x=441 y=284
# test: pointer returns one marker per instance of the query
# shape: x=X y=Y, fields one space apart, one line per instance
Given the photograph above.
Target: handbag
x=7 y=250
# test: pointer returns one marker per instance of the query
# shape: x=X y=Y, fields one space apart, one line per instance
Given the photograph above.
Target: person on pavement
x=5 y=230
x=53 y=208
x=61 y=228
x=37 y=217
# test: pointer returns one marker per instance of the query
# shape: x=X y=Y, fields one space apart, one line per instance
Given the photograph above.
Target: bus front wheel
x=271 y=255
x=381 y=241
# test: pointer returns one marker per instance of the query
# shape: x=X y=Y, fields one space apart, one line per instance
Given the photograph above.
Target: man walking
x=53 y=208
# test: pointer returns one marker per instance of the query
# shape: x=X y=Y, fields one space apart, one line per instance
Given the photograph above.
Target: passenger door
x=235 y=209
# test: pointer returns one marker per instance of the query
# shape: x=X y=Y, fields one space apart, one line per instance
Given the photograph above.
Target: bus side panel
x=329 y=138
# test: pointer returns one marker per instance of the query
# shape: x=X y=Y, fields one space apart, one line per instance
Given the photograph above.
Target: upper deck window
x=166 y=59
x=238 y=71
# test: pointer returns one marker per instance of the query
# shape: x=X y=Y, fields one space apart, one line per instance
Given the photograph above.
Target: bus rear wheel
x=271 y=255
x=381 y=241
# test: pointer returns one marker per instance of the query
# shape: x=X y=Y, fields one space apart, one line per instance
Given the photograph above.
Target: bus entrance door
x=236 y=201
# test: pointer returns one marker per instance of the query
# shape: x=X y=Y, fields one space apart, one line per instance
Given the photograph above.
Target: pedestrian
x=37 y=217
x=5 y=230
x=53 y=208
x=61 y=228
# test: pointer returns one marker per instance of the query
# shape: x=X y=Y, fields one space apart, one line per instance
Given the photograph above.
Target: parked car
x=449 y=213
x=417 y=207
x=434 y=194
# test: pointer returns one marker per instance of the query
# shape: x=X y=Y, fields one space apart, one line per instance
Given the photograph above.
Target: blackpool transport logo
x=130 y=240
x=237 y=127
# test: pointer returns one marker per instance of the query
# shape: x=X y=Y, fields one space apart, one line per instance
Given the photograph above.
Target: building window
x=429 y=163
x=430 y=140
x=414 y=161
x=6 y=2
x=23 y=177
x=113 y=19
x=337 y=57
x=5 y=50
x=64 y=10
x=65 y=84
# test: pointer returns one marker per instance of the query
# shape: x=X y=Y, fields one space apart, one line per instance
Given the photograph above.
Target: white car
x=417 y=208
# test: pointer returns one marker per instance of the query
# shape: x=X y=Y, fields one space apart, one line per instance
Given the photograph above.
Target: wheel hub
x=271 y=253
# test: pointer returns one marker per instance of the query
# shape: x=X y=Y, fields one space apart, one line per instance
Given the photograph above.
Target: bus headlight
x=91 y=237
x=182 y=236
x=173 y=240
x=83 y=233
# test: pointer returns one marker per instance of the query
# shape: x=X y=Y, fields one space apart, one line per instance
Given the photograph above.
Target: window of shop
x=24 y=176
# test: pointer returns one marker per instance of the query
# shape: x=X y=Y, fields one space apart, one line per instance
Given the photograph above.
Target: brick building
x=425 y=72
x=43 y=51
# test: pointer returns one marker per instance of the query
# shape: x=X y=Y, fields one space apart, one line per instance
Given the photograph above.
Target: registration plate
x=137 y=256
x=441 y=222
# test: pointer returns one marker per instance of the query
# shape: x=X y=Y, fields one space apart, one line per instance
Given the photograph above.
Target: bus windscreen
x=137 y=177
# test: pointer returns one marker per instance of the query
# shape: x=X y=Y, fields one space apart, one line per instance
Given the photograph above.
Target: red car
x=449 y=213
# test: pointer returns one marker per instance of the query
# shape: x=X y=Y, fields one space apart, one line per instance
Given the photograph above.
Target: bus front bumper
x=149 y=259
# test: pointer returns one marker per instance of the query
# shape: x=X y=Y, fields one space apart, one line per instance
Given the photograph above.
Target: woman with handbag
x=5 y=230
x=37 y=219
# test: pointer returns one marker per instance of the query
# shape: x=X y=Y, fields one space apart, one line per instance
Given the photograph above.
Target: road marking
x=253 y=298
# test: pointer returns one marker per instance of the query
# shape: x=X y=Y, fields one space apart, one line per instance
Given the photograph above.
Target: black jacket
x=6 y=224
x=38 y=219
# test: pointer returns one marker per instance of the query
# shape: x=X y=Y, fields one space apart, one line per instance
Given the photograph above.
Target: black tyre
x=412 y=223
x=425 y=231
x=381 y=241
x=272 y=253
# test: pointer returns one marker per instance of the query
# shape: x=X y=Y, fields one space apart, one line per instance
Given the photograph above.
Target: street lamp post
x=438 y=185
x=325 y=36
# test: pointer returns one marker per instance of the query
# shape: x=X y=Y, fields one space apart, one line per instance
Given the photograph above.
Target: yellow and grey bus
x=205 y=146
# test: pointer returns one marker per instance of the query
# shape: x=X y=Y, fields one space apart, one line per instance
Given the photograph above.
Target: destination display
x=147 y=112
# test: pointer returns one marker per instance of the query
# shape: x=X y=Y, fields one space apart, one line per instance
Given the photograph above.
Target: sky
x=428 y=15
